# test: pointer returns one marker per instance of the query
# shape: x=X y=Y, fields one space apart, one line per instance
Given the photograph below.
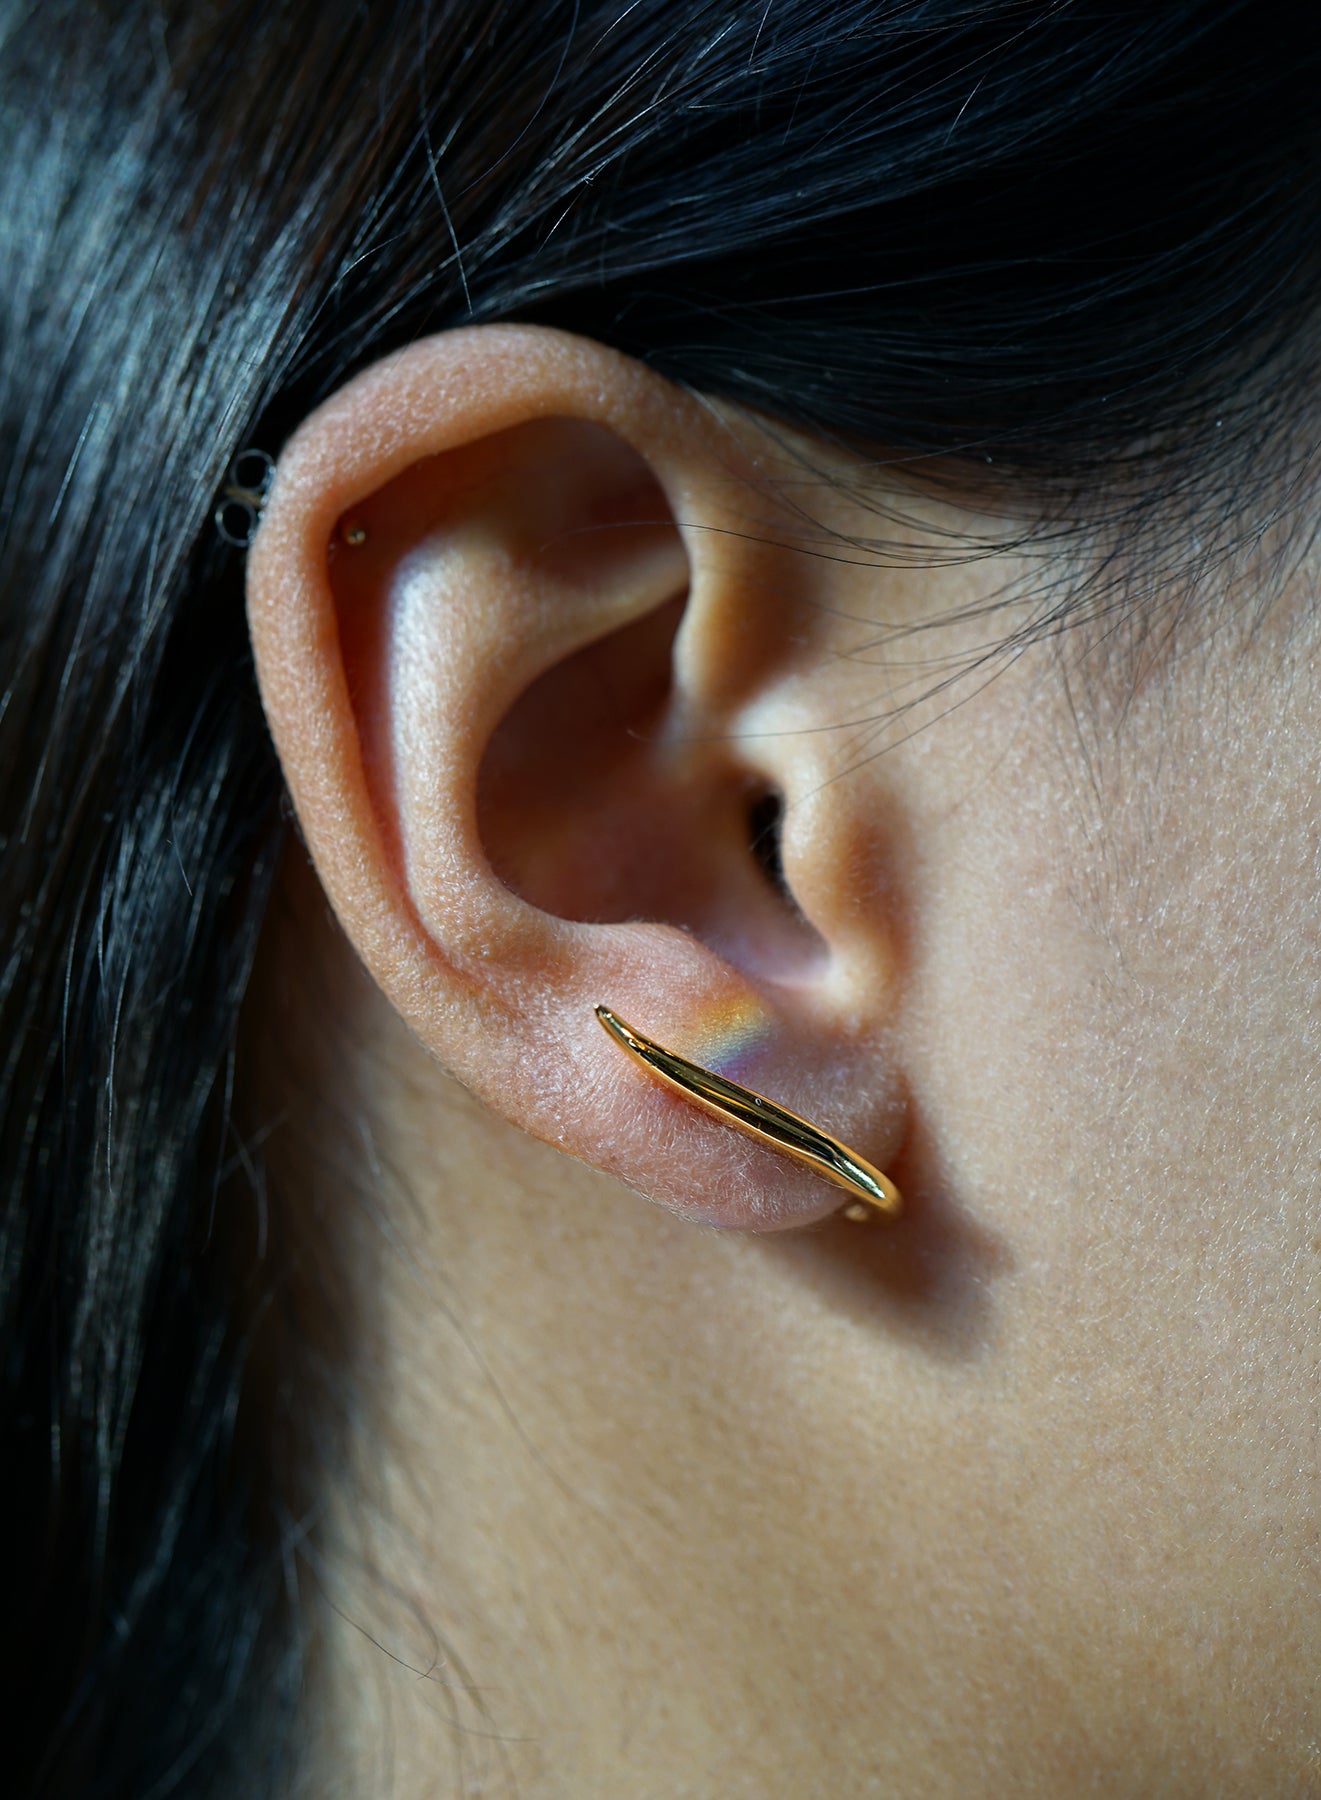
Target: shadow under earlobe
x=930 y=1273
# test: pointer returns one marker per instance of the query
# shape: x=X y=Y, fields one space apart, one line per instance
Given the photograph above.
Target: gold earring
x=763 y=1119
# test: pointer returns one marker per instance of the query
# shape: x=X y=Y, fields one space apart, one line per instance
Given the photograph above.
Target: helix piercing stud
x=239 y=507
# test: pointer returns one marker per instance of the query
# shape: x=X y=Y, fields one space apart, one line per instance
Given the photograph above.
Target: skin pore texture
x=720 y=1494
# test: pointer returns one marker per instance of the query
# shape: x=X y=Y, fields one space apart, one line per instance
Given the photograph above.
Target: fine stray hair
x=1072 y=245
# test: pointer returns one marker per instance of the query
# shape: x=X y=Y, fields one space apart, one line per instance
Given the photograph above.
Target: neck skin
x=1019 y=1495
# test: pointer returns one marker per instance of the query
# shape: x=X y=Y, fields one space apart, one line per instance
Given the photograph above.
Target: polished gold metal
x=764 y=1119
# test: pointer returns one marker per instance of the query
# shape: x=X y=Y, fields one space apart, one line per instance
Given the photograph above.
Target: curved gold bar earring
x=875 y=1194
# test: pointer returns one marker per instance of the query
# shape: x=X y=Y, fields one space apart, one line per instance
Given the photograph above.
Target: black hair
x=1073 y=240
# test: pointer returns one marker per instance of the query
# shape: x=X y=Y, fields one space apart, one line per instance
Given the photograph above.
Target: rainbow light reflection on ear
x=727 y=1032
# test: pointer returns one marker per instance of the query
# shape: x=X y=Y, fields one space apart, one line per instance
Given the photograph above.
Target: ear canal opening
x=765 y=825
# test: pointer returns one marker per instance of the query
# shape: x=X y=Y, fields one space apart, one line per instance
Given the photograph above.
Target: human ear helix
x=503 y=614
x=875 y=1194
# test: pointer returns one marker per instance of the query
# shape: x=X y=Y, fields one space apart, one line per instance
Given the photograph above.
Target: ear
x=538 y=693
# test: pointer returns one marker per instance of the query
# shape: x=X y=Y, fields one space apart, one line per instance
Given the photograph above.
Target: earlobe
x=496 y=637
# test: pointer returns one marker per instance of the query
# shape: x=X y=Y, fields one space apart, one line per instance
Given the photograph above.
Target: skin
x=664 y=1480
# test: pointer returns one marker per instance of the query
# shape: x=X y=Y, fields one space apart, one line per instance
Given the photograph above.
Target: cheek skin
x=1028 y=1510
x=1124 y=1064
